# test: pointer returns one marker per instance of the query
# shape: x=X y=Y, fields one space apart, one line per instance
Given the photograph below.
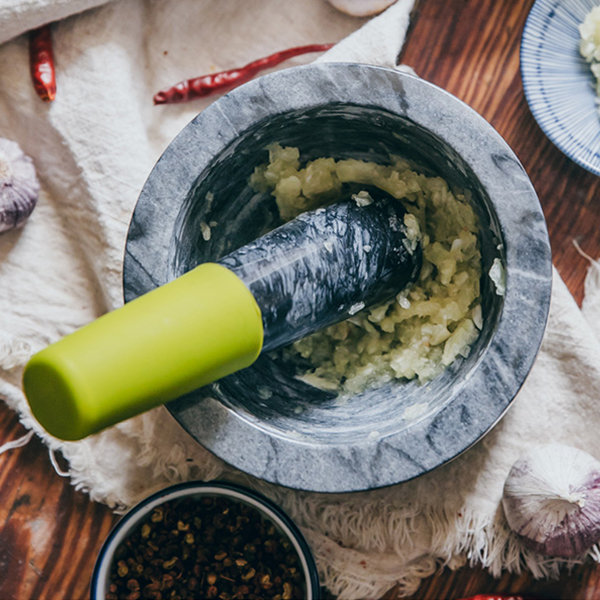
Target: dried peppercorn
x=205 y=85
x=234 y=553
x=41 y=62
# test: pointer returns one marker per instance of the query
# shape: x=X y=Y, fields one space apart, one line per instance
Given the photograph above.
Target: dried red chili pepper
x=41 y=63
x=216 y=82
x=496 y=597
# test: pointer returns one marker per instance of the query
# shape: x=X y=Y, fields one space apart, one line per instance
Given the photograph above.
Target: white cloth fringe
x=13 y=352
x=18 y=443
x=590 y=307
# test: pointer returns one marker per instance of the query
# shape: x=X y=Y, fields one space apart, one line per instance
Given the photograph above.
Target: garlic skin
x=19 y=186
x=552 y=500
x=361 y=8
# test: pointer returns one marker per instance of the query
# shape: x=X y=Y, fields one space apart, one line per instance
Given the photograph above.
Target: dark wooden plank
x=50 y=533
x=582 y=583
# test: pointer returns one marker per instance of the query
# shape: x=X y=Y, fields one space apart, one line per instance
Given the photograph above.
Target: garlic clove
x=19 y=186
x=551 y=500
x=361 y=8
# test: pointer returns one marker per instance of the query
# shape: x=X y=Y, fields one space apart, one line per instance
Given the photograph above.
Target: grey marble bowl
x=263 y=420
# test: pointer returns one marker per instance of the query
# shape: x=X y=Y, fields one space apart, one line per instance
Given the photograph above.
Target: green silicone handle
x=181 y=336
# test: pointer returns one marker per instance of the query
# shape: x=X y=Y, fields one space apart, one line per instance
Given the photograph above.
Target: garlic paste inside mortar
x=423 y=330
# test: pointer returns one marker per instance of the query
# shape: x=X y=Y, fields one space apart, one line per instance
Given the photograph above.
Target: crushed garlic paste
x=422 y=330
x=589 y=44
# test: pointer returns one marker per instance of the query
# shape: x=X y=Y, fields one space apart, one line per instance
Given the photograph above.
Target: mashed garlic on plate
x=589 y=45
x=427 y=326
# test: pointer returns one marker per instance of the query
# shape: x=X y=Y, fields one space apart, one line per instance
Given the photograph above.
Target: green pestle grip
x=183 y=335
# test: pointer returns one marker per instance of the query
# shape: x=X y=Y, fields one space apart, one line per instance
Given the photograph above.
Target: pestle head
x=329 y=263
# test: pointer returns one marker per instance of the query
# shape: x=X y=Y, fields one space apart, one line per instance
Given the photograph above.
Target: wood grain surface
x=50 y=533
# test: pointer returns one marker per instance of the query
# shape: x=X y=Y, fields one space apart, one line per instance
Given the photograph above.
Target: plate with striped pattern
x=558 y=83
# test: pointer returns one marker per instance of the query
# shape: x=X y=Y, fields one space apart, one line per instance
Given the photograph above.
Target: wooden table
x=50 y=533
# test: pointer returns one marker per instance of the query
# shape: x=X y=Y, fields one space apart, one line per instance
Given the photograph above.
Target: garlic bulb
x=19 y=186
x=552 y=500
x=361 y=8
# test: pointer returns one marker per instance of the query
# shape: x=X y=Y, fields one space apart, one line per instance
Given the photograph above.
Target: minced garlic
x=422 y=330
x=589 y=44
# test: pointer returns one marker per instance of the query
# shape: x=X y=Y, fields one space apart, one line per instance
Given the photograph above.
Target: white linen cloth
x=94 y=147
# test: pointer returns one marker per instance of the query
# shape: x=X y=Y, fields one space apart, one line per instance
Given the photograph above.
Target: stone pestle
x=327 y=264
x=311 y=272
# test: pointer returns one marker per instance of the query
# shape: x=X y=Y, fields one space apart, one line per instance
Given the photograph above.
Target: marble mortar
x=263 y=420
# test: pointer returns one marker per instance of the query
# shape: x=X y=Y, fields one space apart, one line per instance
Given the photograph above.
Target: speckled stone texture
x=263 y=420
x=326 y=265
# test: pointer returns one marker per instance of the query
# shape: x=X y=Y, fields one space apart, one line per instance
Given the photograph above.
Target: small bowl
x=263 y=419
x=262 y=508
x=558 y=83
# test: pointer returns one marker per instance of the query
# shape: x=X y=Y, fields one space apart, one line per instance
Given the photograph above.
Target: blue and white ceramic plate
x=558 y=83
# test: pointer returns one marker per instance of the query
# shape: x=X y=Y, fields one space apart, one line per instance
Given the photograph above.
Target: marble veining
x=316 y=269
x=262 y=419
